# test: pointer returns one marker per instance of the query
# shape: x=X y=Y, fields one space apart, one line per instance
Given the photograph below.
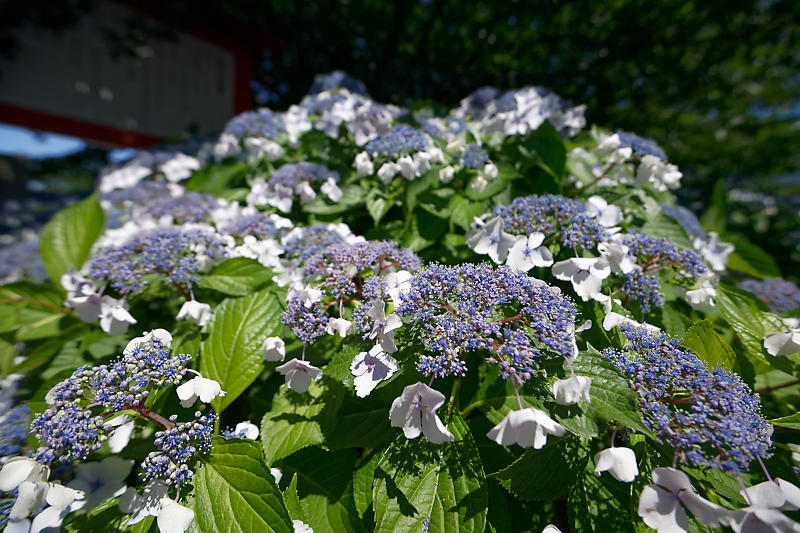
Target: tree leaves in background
x=68 y=238
x=444 y=485
x=235 y=491
x=236 y=277
x=751 y=259
x=232 y=353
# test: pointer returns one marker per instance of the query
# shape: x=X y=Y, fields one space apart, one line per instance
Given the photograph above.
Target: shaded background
x=716 y=84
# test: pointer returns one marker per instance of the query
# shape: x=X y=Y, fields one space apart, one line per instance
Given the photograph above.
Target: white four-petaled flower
x=490 y=239
x=196 y=312
x=571 y=390
x=528 y=252
x=526 y=427
x=619 y=462
x=585 y=273
x=274 y=349
x=299 y=374
x=415 y=411
x=370 y=368
x=199 y=387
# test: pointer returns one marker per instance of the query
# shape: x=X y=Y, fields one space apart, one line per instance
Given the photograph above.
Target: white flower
x=296 y=121
x=305 y=191
x=310 y=295
x=31 y=496
x=383 y=325
x=781 y=343
x=259 y=192
x=331 y=190
x=274 y=349
x=363 y=165
x=143 y=505
x=490 y=171
x=415 y=411
x=298 y=374
x=585 y=273
x=173 y=517
x=199 y=387
x=196 y=312
x=619 y=462
x=663 y=176
x=397 y=283
x=446 y=174
x=20 y=469
x=123 y=178
x=714 y=251
x=276 y=474
x=101 y=480
x=571 y=390
x=370 y=368
x=775 y=494
x=550 y=528
x=339 y=325
x=491 y=239
x=660 y=504
x=246 y=430
x=121 y=436
x=388 y=171
x=422 y=163
x=301 y=527
x=258 y=147
x=616 y=254
x=607 y=215
x=527 y=252
x=479 y=183
x=407 y=167
x=114 y=316
x=612 y=320
x=227 y=145
x=526 y=428
x=88 y=307
x=454 y=147
x=161 y=335
x=179 y=167
x=704 y=293
x=266 y=251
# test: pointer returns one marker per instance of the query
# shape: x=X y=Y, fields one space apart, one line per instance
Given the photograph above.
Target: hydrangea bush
x=351 y=316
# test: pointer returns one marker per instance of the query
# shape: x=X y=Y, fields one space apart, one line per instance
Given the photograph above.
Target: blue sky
x=22 y=141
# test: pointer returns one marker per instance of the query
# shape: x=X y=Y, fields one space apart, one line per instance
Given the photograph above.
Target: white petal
x=20 y=525
x=570 y=391
x=207 y=389
x=120 y=437
x=61 y=496
x=248 y=429
x=17 y=470
x=174 y=517
x=671 y=478
x=433 y=428
x=186 y=393
x=781 y=343
x=708 y=513
x=792 y=494
x=619 y=462
x=30 y=497
x=660 y=510
x=301 y=527
x=49 y=520
x=767 y=494
x=274 y=349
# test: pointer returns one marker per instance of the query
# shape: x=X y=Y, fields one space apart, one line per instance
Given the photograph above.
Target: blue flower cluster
x=556 y=217
x=441 y=128
x=263 y=122
x=643 y=288
x=473 y=156
x=401 y=140
x=191 y=207
x=259 y=225
x=170 y=254
x=710 y=417
x=337 y=80
x=176 y=447
x=687 y=220
x=142 y=194
x=291 y=174
x=641 y=145
x=69 y=431
x=305 y=242
x=468 y=307
x=781 y=296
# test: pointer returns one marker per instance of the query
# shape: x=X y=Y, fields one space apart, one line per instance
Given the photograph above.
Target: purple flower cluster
x=142 y=194
x=463 y=308
x=263 y=122
x=643 y=288
x=305 y=242
x=401 y=140
x=781 y=296
x=473 y=156
x=191 y=207
x=711 y=417
x=171 y=254
x=441 y=128
x=13 y=428
x=69 y=431
x=292 y=174
x=554 y=216
x=654 y=253
x=176 y=447
x=641 y=145
x=337 y=80
x=259 y=225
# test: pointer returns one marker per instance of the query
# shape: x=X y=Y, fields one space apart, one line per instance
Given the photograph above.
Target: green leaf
x=300 y=420
x=363 y=480
x=235 y=491
x=7 y=354
x=361 y=423
x=324 y=486
x=423 y=230
x=68 y=237
x=750 y=259
x=717 y=214
x=292 y=500
x=463 y=211
x=232 y=353
x=548 y=145
x=377 y=205
x=660 y=225
x=593 y=507
x=703 y=340
x=417 y=481
x=546 y=474
x=791 y=421
x=217 y=179
x=236 y=277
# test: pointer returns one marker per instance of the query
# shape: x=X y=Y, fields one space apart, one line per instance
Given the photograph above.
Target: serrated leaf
x=463 y=211
x=300 y=420
x=232 y=353
x=703 y=340
x=324 y=488
x=592 y=507
x=377 y=205
x=546 y=474
x=235 y=492
x=236 y=277
x=444 y=485
x=661 y=225
x=292 y=500
x=68 y=237
x=361 y=423
x=791 y=421
x=363 y=480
